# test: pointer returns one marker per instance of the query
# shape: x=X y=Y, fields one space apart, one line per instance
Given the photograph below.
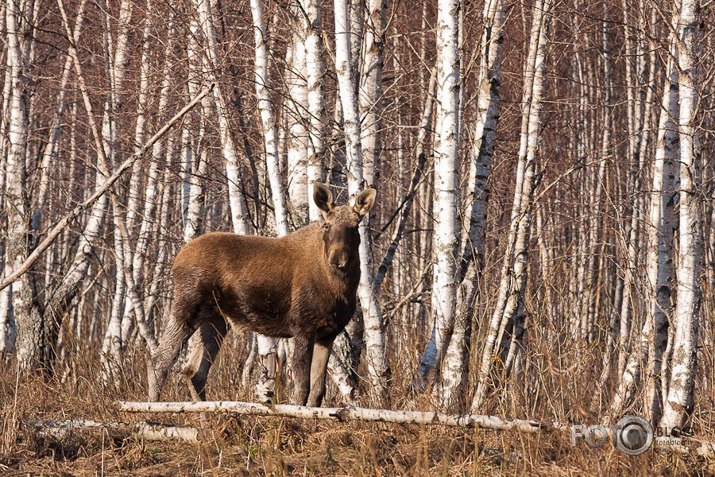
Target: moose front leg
x=302 y=358
x=318 y=370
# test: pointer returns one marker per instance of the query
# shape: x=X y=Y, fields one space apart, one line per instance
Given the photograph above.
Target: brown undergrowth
x=279 y=446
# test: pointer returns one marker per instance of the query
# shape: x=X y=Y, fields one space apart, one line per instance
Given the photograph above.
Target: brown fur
x=302 y=285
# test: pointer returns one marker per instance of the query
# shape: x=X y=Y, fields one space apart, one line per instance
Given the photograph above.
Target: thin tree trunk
x=237 y=200
x=371 y=89
x=267 y=347
x=19 y=24
x=455 y=373
x=315 y=70
x=268 y=120
x=446 y=179
x=376 y=352
x=681 y=400
x=508 y=316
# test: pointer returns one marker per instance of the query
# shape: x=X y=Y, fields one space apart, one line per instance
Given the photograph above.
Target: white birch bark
x=237 y=201
x=295 y=114
x=268 y=120
x=455 y=368
x=356 y=30
x=660 y=244
x=507 y=318
x=659 y=262
x=371 y=89
x=267 y=347
x=376 y=352
x=194 y=154
x=489 y=83
x=315 y=70
x=19 y=24
x=606 y=151
x=136 y=310
x=446 y=178
x=7 y=320
x=342 y=414
x=52 y=146
x=116 y=67
x=638 y=113
x=680 y=397
x=114 y=343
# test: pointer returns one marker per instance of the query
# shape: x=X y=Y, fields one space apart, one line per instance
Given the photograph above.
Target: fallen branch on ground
x=350 y=413
x=59 y=430
x=342 y=414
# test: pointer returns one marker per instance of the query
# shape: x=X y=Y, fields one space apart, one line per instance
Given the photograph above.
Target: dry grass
x=277 y=446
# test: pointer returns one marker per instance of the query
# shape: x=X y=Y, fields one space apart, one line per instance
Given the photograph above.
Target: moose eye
x=326 y=226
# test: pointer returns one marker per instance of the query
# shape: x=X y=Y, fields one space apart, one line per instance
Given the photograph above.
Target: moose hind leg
x=302 y=357
x=175 y=335
x=318 y=370
x=204 y=346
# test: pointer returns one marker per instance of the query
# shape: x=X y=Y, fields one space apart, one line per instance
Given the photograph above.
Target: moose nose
x=340 y=264
x=338 y=260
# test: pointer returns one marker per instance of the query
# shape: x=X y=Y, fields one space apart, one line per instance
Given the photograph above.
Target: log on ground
x=343 y=414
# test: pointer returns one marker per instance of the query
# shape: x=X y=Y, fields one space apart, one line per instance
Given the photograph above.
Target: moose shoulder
x=302 y=285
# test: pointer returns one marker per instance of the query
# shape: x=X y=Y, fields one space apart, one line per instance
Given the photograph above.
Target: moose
x=302 y=285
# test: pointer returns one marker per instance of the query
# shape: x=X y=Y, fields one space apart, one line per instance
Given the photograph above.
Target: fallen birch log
x=61 y=430
x=342 y=414
x=348 y=413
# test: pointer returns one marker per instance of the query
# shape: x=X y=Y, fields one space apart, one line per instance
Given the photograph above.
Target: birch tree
x=456 y=367
x=680 y=397
x=446 y=177
x=506 y=326
x=194 y=153
x=638 y=113
x=653 y=337
x=267 y=347
x=315 y=69
x=237 y=201
x=20 y=18
x=370 y=96
x=113 y=343
x=376 y=352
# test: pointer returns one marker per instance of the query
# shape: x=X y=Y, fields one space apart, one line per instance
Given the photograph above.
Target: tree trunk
x=455 y=374
x=19 y=23
x=508 y=317
x=446 y=179
x=376 y=353
x=680 y=397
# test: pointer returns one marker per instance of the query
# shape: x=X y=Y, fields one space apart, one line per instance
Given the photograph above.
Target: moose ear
x=364 y=201
x=322 y=197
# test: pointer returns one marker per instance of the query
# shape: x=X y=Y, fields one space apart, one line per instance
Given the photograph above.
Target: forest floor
x=240 y=445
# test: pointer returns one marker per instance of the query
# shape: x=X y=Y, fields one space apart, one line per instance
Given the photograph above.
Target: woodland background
x=543 y=244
